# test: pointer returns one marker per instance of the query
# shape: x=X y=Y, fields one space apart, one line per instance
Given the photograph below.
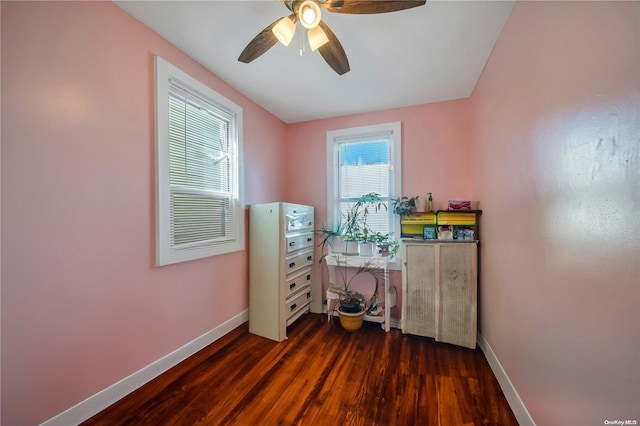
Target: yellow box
x=457 y=218
x=414 y=225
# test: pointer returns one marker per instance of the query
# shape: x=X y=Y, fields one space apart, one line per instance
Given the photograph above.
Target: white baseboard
x=98 y=402
x=510 y=393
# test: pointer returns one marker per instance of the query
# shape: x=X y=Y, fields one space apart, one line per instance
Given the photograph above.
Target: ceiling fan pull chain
x=302 y=46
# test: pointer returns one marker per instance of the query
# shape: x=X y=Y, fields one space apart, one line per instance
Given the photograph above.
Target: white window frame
x=334 y=137
x=166 y=252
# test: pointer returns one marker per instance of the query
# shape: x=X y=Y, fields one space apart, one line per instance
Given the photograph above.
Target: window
x=362 y=160
x=199 y=207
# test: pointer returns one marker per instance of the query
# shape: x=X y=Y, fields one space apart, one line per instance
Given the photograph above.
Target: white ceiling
x=431 y=53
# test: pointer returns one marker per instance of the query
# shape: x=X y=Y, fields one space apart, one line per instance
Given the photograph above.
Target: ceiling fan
x=320 y=36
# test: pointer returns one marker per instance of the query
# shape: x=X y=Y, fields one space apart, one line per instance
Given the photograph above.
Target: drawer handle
x=293 y=306
x=292 y=286
x=292 y=243
x=308 y=295
x=292 y=264
x=309 y=239
x=309 y=258
x=308 y=277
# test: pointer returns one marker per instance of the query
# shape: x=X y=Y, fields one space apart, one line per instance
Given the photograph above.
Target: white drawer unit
x=280 y=266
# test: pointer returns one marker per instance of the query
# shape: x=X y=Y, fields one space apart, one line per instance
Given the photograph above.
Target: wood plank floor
x=321 y=375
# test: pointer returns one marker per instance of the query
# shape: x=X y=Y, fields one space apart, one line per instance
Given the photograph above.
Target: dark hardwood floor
x=321 y=375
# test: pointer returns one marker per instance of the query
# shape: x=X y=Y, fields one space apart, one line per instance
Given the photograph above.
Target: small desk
x=335 y=260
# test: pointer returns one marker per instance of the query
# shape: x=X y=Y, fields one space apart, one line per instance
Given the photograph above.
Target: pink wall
x=434 y=152
x=435 y=144
x=556 y=119
x=82 y=304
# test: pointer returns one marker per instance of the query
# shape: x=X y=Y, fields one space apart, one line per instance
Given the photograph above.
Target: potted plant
x=360 y=210
x=387 y=245
x=404 y=206
x=351 y=231
x=332 y=237
x=352 y=306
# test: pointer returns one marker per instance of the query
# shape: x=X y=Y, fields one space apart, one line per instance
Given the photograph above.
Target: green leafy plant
x=355 y=219
x=327 y=235
x=351 y=224
x=404 y=206
x=386 y=243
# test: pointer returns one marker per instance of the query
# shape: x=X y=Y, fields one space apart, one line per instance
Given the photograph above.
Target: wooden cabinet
x=439 y=290
x=280 y=266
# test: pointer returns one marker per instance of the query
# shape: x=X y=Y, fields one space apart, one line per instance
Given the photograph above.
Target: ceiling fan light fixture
x=317 y=38
x=284 y=31
x=309 y=14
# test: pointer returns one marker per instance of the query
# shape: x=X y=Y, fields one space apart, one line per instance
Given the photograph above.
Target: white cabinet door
x=457 y=294
x=419 y=290
x=439 y=291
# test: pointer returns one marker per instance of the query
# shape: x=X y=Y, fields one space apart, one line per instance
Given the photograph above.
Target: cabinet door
x=419 y=292
x=457 y=294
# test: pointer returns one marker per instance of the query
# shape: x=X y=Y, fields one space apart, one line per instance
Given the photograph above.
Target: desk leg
x=387 y=300
x=332 y=303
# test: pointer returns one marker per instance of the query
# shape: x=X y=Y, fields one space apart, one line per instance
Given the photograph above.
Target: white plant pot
x=350 y=248
x=366 y=249
x=336 y=244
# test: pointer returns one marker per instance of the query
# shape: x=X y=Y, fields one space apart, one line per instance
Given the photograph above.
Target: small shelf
x=429 y=225
x=339 y=260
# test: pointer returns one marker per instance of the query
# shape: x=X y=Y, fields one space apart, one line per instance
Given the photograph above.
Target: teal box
x=430 y=232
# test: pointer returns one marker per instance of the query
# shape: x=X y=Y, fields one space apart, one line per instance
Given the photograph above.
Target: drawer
x=298 y=217
x=299 y=242
x=298 y=261
x=298 y=303
x=297 y=283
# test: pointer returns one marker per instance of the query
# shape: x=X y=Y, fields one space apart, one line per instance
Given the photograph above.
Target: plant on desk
x=353 y=227
x=357 y=228
x=331 y=237
x=386 y=244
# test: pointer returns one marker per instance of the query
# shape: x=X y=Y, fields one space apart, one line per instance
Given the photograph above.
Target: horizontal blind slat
x=364 y=167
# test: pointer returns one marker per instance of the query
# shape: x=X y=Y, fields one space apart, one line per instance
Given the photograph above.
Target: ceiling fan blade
x=371 y=6
x=260 y=44
x=333 y=53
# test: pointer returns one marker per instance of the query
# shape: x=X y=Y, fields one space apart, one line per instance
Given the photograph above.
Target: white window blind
x=364 y=167
x=199 y=210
